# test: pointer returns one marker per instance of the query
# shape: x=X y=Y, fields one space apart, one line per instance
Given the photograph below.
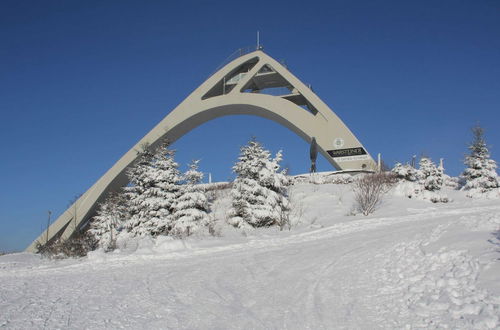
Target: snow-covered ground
x=412 y=264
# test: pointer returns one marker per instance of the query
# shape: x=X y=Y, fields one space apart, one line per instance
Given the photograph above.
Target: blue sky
x=82 y=81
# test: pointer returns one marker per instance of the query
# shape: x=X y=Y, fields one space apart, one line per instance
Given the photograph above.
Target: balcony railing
x=234 y=55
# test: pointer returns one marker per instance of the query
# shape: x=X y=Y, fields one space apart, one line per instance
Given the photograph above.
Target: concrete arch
x=253 y=84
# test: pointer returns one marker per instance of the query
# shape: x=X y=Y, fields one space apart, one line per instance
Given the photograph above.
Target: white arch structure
x=252 y=84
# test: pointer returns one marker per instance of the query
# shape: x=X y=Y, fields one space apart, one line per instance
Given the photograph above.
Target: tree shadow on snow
x=496 y=240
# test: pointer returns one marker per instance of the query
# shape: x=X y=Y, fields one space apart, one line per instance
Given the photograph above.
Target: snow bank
x=436 y=290
x=414 y=190
x=19 y=260
x=325 y=178
x=140 y=247
x=480 y=193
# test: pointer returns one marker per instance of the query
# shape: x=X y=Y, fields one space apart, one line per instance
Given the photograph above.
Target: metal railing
x=236 y=54
x=277 y=91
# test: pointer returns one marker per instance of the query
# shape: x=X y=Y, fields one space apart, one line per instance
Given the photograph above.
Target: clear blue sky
x=83 y=81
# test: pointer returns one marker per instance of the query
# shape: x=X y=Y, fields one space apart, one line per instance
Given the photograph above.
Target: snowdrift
x=411 y=264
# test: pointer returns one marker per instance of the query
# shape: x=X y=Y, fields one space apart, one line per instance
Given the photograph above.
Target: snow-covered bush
x=429 y=176
x=153 y=190
x=259 y=196
x=480 y=176
x=369 y=190
x=405 y=172
x=323 y=178
x=435 y=197
x=450 y=181
x=106 y=224
x=191 y=208
x=78 y=245
x=431 y=180
x=424 y=183
x=341 y=178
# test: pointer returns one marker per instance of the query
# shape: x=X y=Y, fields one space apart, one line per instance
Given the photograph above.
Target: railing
x=237 y=53
x=276 y=91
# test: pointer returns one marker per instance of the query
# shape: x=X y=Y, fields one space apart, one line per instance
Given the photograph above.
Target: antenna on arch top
x=259 y=46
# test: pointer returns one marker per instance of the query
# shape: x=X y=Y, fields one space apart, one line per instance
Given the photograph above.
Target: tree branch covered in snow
x=480 y=176
x=153 y=190
x=429 y=175
x=422 y=183
x=259 y=190
x=109 y=220
x=192 y=207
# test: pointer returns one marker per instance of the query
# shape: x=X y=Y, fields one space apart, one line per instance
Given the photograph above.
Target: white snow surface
x=410 y=265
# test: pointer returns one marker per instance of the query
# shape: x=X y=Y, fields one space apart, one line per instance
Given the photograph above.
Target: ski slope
x=412 y=264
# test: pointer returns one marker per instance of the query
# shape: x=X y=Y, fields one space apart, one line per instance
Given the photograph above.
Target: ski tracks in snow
x=435 y=290
x=366 y=273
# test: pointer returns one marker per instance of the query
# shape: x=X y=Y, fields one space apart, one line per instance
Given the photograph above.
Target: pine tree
x=139 y=180
x=154 y=187
x=405 y=172
x=107 y=223
x=480 y=173
x=192 y=207
x=429 y=175
x=259 y=191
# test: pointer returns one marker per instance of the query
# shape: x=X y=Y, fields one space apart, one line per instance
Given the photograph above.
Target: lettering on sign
x=347 y=152
x=351 y=158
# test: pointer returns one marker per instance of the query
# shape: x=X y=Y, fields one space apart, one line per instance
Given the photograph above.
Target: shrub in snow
x=435 y=197
x=408 y=189
x=450 y=181
x=106 y=224
x=153 y=190
x=424 y=183
x=316 y=178
x=341 y=178
x=259 y=196
x=405 y=172
x=369 y=190
x=429 y=175
x=191 y=208
x=480 y=176
x=323 y=178
x=78 y=245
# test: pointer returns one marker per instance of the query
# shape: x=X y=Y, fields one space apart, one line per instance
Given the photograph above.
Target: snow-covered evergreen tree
x=259 y=195
x=429 y=176
x=153 y=190
x=138 y=176
x=107 y=223
x=424 y=183
x=480 y=174
x=192 y=207
x=405 y=172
